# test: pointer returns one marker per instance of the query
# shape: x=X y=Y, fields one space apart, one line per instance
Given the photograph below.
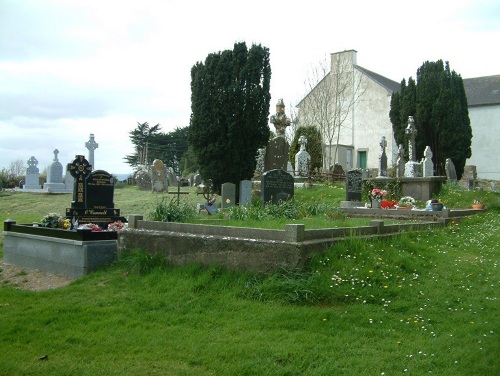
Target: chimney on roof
x=341 y=60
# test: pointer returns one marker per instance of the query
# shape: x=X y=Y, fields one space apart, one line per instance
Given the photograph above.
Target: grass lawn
x=417 y=303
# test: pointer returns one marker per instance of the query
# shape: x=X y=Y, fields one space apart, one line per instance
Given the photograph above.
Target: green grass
x=418 y=303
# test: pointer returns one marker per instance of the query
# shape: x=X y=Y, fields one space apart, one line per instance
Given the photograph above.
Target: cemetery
x=155 y=282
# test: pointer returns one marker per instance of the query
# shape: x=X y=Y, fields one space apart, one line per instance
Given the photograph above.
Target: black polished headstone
x=353 y=180
x=276 y=185
x=99 y=190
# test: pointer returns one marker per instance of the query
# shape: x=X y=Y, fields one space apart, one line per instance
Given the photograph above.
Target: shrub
x=172 y=212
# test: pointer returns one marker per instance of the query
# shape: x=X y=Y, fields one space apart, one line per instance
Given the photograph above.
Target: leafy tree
x=140 y=138
x=314 y=145
x=438 y=104
x=230 y=108
x=152 y=144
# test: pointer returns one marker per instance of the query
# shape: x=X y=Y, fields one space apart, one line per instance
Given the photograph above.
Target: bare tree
x=16 y=169
x=334 y=87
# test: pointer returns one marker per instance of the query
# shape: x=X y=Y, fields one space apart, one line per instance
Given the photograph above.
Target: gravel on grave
x=31 y=279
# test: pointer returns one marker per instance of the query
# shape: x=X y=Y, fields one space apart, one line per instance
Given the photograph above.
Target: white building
x=360 y=110
x=362 y=115
x=483 y=98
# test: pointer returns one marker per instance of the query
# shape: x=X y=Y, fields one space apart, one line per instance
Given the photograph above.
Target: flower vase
x=375 y=204
x=477 y=206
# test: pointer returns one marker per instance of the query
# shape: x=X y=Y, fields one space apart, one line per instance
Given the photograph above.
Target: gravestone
x=196 y=180
x=91 y=145
x=353 y=183
x=69 y=181
x=413 y=169
x=92 y=196
x=32 y=175
x=382 y=170
x=228 y=195
x=428 y=165
x=451 y=173
x=469 y=177
x=260 y=159
x=400 y=164
x=158 y=177
x=171 y=177
x=276 y=185
x=245 y=192
x=276 y=154
x=54 y=176
x=302 y=159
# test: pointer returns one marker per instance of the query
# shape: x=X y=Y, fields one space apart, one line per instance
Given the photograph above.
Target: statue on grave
x=279 y=119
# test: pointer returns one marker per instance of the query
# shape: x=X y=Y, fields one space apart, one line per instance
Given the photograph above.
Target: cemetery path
x=31 y=279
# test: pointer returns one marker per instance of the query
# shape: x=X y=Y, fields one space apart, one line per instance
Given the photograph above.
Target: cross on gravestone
x=79 y=169
x=32 y=175
x=400 y=172
x=91 y=145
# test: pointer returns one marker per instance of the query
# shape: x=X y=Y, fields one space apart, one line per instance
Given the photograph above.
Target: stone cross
x=32 y=163
x=411 y=132
x=302 y=142
x=383 y=158
x=55 y=155
x=91 y=145
x=279 y=119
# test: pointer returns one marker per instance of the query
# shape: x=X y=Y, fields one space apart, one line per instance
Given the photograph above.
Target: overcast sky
x=69 y=68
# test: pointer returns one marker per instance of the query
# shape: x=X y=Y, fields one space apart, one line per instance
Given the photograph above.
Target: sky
x=72 y=68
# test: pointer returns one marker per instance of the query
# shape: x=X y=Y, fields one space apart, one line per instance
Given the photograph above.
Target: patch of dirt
x=31 y=279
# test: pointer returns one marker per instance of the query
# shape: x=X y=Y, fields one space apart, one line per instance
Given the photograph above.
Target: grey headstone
x=276 y=185
x=228 y=195
x=382 y=171
x=451 y=173
x=54 y=176
x=245 y=192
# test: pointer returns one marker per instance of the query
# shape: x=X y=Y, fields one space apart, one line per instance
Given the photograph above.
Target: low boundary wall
x=258 y=250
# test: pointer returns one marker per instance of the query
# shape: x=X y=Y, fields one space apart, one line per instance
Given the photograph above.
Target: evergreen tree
x=314 y=146
x=438 y=104
x=151 y=144
x=229 y=112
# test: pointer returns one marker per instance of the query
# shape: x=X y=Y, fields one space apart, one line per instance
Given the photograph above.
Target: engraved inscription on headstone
x=353 y=185
x=79 y=169
x=99 y=190
x=276 y=185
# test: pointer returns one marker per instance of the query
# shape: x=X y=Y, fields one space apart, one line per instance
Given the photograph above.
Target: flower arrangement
x=92 y=226
x=477 y=202
x=52 y=220
x=406 y=201
x=115 y=226
x=66 y=224
x=387 y=204
x=378 y=194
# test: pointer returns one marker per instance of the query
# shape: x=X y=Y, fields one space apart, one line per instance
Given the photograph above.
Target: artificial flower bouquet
x=378 y=194
x=406 y=202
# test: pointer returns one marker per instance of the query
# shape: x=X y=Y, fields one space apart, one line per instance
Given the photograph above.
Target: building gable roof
x=385 y=82
x=482 y=91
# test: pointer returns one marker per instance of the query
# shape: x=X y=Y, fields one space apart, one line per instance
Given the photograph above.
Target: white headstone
x=54 y=176
x=428 y=165
x=302 y=159
x=32 y=175
x=91 y=145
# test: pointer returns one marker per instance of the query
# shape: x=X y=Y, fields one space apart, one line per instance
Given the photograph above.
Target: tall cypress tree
x=438 y=104
x=229 y=112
